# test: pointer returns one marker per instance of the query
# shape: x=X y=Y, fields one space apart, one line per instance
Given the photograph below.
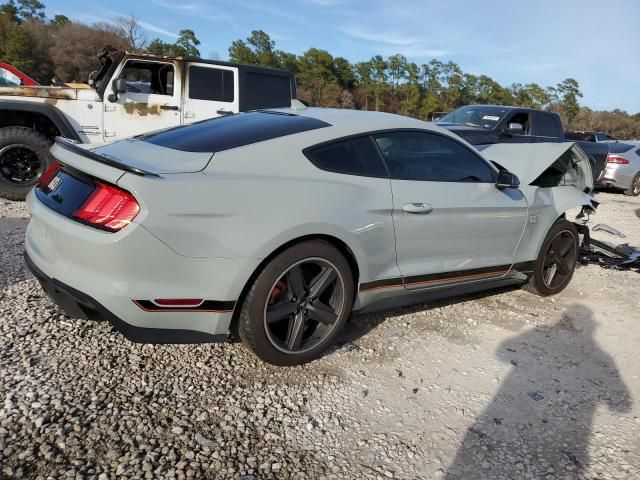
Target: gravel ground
x=502 y=385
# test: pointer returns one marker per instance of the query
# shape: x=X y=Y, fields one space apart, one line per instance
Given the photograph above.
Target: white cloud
x=391 y=42
x=155 y=29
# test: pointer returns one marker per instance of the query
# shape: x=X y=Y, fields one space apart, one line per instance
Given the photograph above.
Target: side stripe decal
x=459 y=275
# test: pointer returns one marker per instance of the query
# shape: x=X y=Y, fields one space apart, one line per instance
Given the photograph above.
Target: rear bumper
x=80 y=305
x=619 y=176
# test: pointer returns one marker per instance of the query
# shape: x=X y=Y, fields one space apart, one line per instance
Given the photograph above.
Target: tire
x=634 y=188
x=268 y=332
x=31 y=150
x=545 y=281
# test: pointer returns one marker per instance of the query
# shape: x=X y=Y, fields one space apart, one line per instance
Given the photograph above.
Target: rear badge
x=54 y=184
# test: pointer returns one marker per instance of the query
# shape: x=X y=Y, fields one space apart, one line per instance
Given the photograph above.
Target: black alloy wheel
x=560 y=260
x=304 y=305
x=298 y=303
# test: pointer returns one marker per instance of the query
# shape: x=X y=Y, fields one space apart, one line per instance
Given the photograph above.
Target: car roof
x=347 y=122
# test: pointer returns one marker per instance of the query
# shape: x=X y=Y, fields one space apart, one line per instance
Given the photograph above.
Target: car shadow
x=638 y=212
x=361 y=324
x=12 y=267
x=539 y=422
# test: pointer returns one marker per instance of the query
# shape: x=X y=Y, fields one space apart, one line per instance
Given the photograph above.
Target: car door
x=451 y=222
x=211 y=91
x=151 y=101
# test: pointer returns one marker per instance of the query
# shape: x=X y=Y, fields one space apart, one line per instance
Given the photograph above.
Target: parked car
x=623 y=168
x=483 y=125
x=131 y=94
x=597 y=137
x=278 y=223
x=12 y=77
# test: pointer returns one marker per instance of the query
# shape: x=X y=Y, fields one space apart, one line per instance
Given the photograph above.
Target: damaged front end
x=556 y=178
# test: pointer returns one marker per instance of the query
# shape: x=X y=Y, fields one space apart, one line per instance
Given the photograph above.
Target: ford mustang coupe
x=276 y=225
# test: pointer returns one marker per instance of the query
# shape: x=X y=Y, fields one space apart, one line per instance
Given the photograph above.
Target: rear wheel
x=24 y=156
x=556 y=262
x=298 y=304
x=634 y=188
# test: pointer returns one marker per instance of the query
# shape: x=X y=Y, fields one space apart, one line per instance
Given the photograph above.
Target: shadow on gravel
x=360 y=324
x=539 y=422
x=638 y=213
x=12 y=267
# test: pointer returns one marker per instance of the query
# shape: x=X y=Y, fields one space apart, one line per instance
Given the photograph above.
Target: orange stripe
x=462 y=277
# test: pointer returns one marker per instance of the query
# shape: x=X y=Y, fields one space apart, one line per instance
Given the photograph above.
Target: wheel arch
x=340 y=244
x=40 y=116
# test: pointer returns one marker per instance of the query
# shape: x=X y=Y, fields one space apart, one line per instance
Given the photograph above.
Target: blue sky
x=542 y=41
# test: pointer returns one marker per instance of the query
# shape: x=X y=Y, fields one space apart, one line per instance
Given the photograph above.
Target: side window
x=546 y=125
x=213 y=84
x=8 y=79
x=429 y=157
x=610 y=138
x=638 y=152
x=148 y=77
x=356 y=156
x=523 y=119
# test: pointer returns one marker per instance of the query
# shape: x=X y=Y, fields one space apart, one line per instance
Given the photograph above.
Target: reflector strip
x=215 y=306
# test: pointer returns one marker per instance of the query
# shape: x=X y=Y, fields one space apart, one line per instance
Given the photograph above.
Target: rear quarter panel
x=252 y=200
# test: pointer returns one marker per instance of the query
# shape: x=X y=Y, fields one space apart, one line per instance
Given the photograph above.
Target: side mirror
x=119 y=85
x=507 y=179
x=513 y=129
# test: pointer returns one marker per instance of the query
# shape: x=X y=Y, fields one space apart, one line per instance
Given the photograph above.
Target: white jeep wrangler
x=130 y=94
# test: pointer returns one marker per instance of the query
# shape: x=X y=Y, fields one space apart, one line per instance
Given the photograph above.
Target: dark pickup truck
x=483 y=125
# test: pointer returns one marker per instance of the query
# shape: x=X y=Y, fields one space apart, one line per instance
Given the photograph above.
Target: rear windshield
x=224 y=133
x=619 y=147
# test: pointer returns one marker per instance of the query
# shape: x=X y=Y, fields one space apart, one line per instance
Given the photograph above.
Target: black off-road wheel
x=556 y=262
x=298 y=304
x=634 y=189
x=24 y=157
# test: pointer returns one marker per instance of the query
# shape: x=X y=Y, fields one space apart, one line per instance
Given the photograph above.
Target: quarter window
x=356 y=156
x=213 y=84
x=148 y=77
x=429 y=157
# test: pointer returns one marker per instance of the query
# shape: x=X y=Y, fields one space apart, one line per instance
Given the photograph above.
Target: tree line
x=61 y=49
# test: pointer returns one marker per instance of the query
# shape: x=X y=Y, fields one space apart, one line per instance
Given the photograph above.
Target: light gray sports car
x=275 y=225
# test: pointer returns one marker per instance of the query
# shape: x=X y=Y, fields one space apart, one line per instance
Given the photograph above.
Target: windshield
x=8 y=79
x=476 y=116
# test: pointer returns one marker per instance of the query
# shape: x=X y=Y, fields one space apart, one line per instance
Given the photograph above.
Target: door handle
x=419 y=208
x=169 y=107
x=224 y=112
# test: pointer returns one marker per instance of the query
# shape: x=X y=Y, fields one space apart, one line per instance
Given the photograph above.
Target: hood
x=544 y=164
x=154 y=158
x=56 y=93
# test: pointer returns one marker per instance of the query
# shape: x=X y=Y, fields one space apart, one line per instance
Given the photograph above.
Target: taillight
x=49 y=174
x=617 y=160
x=108 y=207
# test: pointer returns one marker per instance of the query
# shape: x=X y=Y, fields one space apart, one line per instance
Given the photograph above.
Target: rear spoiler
x=75 y=148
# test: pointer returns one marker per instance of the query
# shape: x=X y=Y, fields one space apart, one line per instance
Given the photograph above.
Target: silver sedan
x=275 y=225
x=623 y=168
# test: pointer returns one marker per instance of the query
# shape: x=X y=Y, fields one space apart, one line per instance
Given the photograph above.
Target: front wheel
x=24 y=157
x=298 y=304
x=556 y=262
